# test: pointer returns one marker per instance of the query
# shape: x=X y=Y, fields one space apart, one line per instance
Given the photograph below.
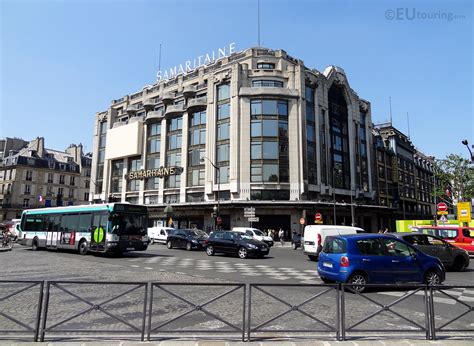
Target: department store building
x=253 y=129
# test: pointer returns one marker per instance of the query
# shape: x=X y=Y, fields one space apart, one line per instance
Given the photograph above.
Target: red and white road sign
x=442 y=206
x=318 y=217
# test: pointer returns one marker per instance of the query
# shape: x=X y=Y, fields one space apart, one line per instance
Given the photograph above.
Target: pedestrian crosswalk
x=290 y=275
x=462 y=294
x=278 y=274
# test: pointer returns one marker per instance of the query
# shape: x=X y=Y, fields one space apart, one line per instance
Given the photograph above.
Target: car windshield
x=257 y=232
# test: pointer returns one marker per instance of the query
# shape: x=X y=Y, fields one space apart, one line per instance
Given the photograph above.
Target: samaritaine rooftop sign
x=191 y=65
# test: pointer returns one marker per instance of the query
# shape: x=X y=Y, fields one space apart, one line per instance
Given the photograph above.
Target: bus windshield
x=128 y=224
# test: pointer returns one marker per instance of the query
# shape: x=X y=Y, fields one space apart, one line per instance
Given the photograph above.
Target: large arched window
x=339 y=137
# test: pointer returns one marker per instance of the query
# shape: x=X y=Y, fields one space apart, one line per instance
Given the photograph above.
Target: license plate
x=130 y=248
x=262 y=249
x=326 y=264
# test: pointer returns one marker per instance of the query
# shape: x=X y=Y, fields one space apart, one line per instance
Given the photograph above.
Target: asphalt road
x=282 y=266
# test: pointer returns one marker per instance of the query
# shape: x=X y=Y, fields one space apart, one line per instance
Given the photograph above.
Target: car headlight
x=253 y=246
x=194 y=241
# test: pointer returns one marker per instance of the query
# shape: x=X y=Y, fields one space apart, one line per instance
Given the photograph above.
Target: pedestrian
x=386 y=230
x=281 y=234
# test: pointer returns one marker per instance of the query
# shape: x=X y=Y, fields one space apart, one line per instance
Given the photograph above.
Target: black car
x=295 y=241
x=186 y=239
x=235 y=243
x=452 y=257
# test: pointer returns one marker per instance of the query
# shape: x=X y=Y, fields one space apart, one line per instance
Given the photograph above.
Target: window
x=396 y=248
x=152 y=183
x=61 y=179
x=27 y=189
x=29 y=175
x=334 y=245
x=86 y=196
x=50 y=178
x=154 y=129
x=267 y=84
x=266 y=65
x=26 y=203
x=71 y=193
x=370 y=247
x=72 y=181
x=154 y=145
x=269 y=140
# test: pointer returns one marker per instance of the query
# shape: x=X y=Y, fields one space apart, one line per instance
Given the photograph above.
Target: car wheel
x=169 y=245
x=358 y=279
x=243 y=252
x=83 y=248
x=34 y=244
x=312 y=258
x=210 y=250
x=432 y=278
x=459 y=264
x=189 y=246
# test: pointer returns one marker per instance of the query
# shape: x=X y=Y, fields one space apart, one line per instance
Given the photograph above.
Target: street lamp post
x=334 y=195
x=218 y=184
x=470 y=151
x=352 y=210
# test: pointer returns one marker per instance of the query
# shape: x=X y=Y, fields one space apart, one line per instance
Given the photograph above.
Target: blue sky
x=62 y=61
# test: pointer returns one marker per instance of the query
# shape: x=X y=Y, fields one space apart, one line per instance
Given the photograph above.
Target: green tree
x=457 y=174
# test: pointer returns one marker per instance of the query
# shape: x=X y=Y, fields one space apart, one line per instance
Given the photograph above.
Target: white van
x=314 y=236
x=255 y=234
x=158 y=234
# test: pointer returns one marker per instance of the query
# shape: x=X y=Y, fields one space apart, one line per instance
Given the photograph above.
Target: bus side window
x=466 y=233
x=84 y=222
x=50 y=223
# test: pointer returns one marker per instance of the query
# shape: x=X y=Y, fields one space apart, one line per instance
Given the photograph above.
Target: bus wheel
x=83 y=248
x=34 y=244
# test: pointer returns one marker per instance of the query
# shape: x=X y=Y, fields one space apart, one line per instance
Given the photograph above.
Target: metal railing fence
x=154 y=310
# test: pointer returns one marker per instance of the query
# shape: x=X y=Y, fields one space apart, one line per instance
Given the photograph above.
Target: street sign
x=464 y=211
x=254 y=219
x=442 y=206
x=442 y=213
x=249 y=212
x=302 y=221
x=318 y=217
x=443 y=219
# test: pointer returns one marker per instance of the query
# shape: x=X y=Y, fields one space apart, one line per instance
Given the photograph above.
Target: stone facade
x=258 y=129
x=36 y=177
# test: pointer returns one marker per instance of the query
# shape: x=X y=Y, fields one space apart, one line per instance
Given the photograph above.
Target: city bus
x=104 y=228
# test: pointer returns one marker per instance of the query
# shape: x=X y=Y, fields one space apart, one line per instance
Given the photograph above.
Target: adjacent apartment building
x=32 y=176
x=254 y=129
x=404 y=177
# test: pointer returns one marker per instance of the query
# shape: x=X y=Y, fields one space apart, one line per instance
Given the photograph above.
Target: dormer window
x=266 y=65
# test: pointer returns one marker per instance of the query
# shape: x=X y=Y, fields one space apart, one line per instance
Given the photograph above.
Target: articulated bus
x=107 y=228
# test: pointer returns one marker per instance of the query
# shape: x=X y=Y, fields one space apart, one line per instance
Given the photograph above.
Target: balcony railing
x=173 y=110
x=195 y=105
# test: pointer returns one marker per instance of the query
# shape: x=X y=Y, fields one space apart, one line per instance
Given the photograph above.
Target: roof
x=364 y=236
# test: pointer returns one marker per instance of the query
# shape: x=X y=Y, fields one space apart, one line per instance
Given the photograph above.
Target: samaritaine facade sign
x=152 y=173
x=191 y=65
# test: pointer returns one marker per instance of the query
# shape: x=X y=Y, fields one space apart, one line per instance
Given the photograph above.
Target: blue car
x=376 y=259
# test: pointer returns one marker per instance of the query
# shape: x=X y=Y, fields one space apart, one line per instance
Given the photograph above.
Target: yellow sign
x=464 y=211
x=442 y=213
x=170 y=222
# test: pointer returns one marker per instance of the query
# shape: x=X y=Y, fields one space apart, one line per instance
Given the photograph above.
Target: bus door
x=53 y=231
x=98 y=232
